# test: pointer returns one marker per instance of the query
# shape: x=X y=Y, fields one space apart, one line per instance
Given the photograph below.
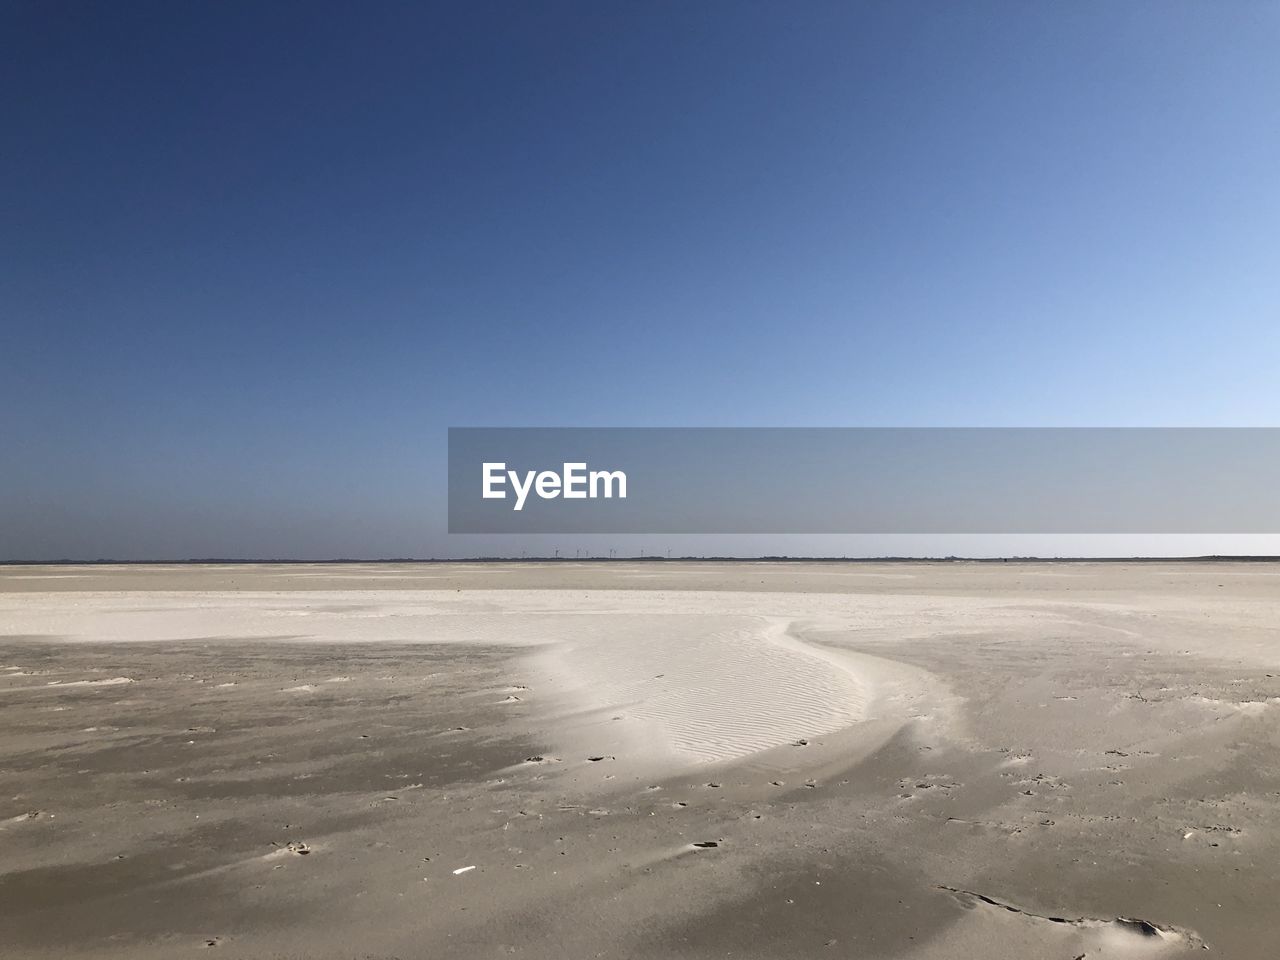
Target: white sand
x=680 y=676
x=1003 y=761
x=692 y=679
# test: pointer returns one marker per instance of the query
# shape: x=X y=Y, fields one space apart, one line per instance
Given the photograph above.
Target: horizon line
x=763 y=558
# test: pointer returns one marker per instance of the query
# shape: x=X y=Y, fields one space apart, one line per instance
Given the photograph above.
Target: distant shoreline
x=230 y=561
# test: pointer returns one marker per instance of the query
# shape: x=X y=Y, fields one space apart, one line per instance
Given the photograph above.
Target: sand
x=640 y=760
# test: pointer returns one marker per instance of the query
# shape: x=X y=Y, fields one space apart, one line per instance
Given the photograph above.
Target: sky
x=255 y=259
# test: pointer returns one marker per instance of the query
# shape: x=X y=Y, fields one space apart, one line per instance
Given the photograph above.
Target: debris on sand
x=1133 y=926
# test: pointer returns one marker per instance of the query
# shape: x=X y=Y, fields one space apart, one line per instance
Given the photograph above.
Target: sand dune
x=710 y=688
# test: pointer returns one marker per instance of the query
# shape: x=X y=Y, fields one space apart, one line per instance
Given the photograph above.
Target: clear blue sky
x=255 y=258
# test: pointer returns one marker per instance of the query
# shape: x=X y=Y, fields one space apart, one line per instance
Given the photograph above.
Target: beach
x=685 y=759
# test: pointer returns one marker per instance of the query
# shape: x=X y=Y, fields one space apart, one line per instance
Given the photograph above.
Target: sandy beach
x=657 y=759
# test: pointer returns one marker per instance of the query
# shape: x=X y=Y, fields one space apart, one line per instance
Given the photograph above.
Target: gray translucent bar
x=872 y=480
